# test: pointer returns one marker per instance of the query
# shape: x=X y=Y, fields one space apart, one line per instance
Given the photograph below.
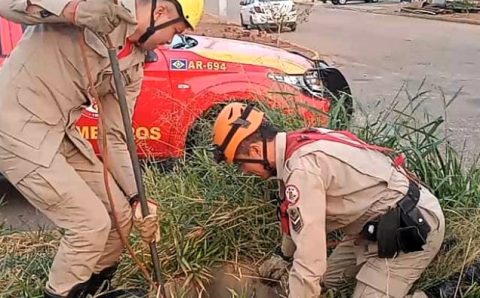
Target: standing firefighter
x=44 y=86
x=332 y=180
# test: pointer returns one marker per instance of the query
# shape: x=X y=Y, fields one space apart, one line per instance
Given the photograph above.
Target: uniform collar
x=126 y=50
x=280 y=147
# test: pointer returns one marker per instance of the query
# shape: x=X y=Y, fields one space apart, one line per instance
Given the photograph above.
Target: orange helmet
x=235 y=123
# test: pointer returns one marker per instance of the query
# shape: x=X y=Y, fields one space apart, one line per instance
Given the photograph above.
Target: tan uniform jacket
x=331 y=186
x=44 y=88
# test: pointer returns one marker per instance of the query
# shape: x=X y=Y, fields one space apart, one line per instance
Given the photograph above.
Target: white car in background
x=267 y=14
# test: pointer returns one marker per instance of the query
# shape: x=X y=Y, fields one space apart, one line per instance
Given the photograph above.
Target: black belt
x=402 y=228
x=410 y=200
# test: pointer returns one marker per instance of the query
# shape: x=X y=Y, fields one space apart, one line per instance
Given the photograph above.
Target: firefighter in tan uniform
x=332 y=180
x=44 y=87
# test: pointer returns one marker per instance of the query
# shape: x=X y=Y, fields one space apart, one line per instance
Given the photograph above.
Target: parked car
x=193 y=75
x=267 y=14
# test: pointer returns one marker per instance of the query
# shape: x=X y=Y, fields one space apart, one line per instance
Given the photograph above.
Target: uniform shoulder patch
x=292 y=194
x=295 y=219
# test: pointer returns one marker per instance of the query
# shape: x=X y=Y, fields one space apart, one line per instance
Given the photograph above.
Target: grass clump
x=25 y=259
x=219 y=224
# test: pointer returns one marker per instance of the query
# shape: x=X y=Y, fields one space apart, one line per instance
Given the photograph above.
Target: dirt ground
x=467 y=18
x=228 y=281
x=394 y=8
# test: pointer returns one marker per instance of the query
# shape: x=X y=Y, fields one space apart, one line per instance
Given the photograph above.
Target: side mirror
x=151 y=57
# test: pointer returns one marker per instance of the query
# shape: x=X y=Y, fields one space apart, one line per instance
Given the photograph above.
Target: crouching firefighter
x=331 y=180
x=58 y=68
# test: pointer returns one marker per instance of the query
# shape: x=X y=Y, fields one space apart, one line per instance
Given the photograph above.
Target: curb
x=442 y=19
x=305 y=2
x=315 y=54
x=410 y=15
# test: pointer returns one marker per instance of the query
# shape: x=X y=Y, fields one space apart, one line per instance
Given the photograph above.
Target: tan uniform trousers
x=71 y=193
x=381 y=278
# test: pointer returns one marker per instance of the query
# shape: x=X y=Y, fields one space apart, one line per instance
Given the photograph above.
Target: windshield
x=181 y=41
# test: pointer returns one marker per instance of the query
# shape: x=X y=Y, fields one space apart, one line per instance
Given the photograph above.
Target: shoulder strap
x=283 y=216
x=297 y=139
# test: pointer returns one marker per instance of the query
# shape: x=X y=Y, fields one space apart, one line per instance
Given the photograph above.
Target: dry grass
x=456 y=271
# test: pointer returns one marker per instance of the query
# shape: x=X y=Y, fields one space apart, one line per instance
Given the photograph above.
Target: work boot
x=99 y=286
x=102 y=279
x=78 y=291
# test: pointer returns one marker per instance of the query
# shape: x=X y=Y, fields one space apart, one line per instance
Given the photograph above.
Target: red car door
x=151 y=126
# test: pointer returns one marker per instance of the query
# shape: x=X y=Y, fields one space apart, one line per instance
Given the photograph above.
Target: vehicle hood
x=235 y=51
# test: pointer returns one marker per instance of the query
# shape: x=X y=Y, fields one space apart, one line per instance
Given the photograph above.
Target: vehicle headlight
x=293 y=80
x=309 y=82
x=313 y=81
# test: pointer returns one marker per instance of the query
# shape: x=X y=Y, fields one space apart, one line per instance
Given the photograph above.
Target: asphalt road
x=380 y=53
x=17 y=213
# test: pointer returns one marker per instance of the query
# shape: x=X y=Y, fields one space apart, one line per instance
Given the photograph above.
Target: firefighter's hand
x=273 y=269
x=100 y=16
x=148 y=227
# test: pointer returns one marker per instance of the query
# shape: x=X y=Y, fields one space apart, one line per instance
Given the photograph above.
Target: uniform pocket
x=41 y=115
x=126 y=80
x=39 y=106
x=39 y=192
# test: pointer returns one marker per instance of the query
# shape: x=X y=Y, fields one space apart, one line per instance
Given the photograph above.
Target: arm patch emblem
x=292 y=194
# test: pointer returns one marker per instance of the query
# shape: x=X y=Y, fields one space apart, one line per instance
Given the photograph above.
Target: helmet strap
x=264 y=161
x=152 y=28
x=267 y=131
x=242 y=121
